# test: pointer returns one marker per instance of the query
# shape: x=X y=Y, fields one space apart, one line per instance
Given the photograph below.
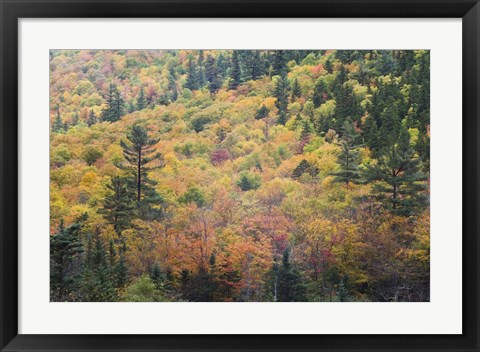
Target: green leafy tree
x=91 y=155
x=193 y=195
x=143 y=290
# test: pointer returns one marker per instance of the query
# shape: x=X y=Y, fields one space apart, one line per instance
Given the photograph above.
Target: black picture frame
x=11 y=11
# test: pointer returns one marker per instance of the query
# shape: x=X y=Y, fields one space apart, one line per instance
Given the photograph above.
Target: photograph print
x=239 y=175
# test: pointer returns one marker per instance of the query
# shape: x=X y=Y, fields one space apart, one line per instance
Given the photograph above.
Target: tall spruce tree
x=120 y=272
x=281 y=102
x=141 y=101
x=319 y=93
x=98 y=283
x=346 y=106
x=398 y=180
x=371 y=136
x=115 y=105
x=296 y=90
x=192 y=82
x=257 y=65
x=75 y=118
x=57 y=125
x=201 y=79
x=172 y=86
x=280 y=63
x=349 y=157
x=235 y=71
x=66 y=249
x=92 y=119
x=290 y=285
x=212 y=75
x=117 y=205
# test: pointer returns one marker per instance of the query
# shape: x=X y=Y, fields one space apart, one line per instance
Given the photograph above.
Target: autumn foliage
x=220 y=175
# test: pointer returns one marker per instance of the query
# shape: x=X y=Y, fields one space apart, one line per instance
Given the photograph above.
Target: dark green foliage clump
x=349 y=157
x=115 y=105
x=290 y=284
x=401 y=185
x=66 y=249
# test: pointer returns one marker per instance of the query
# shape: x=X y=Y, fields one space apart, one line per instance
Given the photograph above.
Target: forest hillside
x=239 y=175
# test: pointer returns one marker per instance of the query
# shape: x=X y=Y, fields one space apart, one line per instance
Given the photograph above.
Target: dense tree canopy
x=239 y=175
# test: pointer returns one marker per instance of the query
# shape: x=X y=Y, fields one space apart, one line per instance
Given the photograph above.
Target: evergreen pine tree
x=201 y=79
x=121 y=271
x=172 y=86
x=349 y=157
x=235 y=71
x=342 y=292
x=222 y=66
x=115 y=105
x=281 y=102
x=75 y=118
x=296 y=90
x=139 y=153
x=141 y=101
x=262 y=112
x=214 y=82
x=257 y=65
x=157 y=276
x=117 y=205
x=191 y=82
x=92 y=119
x=400 y=182
x=370 y=135
x=97 y=285
x=346 y=106
x=280 y=63
x=290 y=285
x=305 y=167
x=319 y=93
x=57 y=125
x=301 y=168
x=65 y=263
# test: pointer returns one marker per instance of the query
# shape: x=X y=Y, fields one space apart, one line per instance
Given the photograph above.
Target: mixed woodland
x=239 y=175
